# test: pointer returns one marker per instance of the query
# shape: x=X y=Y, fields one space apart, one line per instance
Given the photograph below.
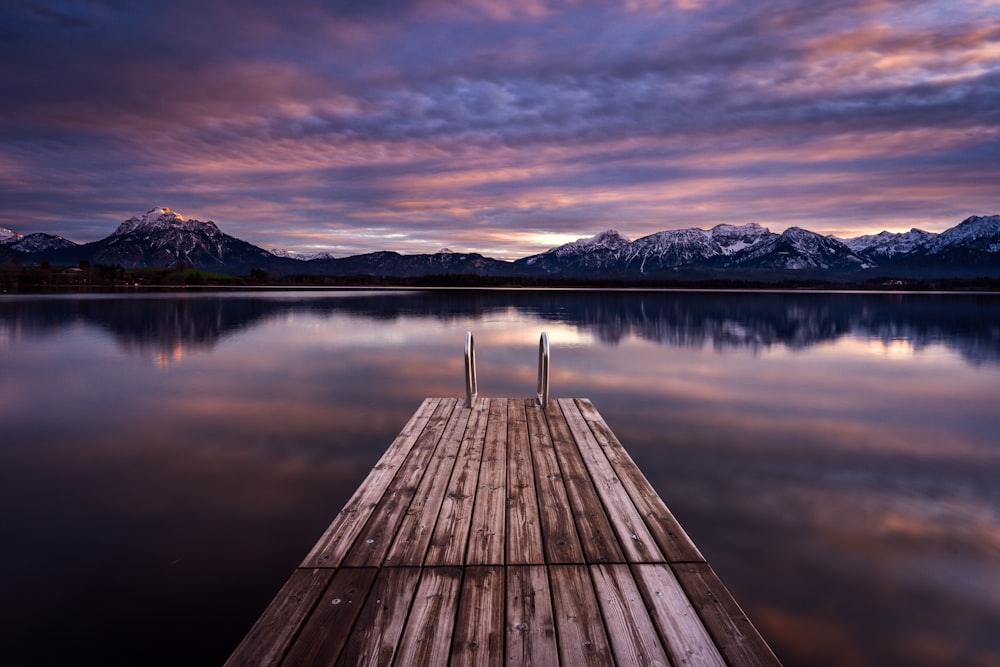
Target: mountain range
x=162 y=237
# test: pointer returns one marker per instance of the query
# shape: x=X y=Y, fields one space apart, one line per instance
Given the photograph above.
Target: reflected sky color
x=168 y=459
x=413 y=125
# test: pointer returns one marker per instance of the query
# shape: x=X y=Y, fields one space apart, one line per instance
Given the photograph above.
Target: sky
x=505 y=127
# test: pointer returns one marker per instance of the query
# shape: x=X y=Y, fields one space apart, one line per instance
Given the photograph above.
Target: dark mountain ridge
x=162 y=237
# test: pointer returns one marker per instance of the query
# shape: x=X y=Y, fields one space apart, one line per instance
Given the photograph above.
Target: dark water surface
x=166 y=460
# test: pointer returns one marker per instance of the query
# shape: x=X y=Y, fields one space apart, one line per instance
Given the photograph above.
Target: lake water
x=167 y=459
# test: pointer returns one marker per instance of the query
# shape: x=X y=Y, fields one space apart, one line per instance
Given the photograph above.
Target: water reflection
x=165 y=327
x=834 y=455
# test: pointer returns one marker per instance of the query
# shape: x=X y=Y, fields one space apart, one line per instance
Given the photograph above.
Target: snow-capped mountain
x=721 y=247
x=598 y=252
x=162 y=237
x=302 y=256
x=7 y=236
x=888 y=244
x=684 y=247
x=39 y=242
x=977 y=232
x=799 y=249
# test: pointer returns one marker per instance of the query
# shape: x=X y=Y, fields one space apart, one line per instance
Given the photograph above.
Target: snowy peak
x=979 y=232
x=887 y=245
x=607 y=240
x=161 y=219
x=7 y=236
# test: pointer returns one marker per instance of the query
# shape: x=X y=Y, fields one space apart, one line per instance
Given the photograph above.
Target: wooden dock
x=504 y=534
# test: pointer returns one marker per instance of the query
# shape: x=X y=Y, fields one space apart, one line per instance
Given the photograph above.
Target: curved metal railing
x=471 y=383
x=543 y=370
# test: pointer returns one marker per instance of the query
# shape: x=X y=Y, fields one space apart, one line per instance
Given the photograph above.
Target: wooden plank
x=325 y=633
x=636 y=540
x=379 y=626
x=597 y=537
x=451 y=533
x=562 y=544
x=524 y=535
x=734 y=634
x=479 y=626
x=631 y=631
x=329 y=551
x=430 y=627
x=685 y=636
x=531 y=630
x=579 y=627
x=271 y=635
x=416 y=529
x=486 y=536
x=375 y=539
x=674 y=542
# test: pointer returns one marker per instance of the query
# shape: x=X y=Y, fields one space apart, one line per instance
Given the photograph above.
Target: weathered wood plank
x=734 y=634
x=685 y=636
x=417 y=526
x=431 y=624
x=479 y=627
x=486 y=537
x=636 y=540
x=559 y=537
x=524 y=536
x=375 y=539
x=380 y=624
x=579 y=627
x=329 y=551
x=325 y=633
x=531 y=630
x=597 y=537
x=272 y=634
x=670 y=536
x=451 y=534
x=631 y=631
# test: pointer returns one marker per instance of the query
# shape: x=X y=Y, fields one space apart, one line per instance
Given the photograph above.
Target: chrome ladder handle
x=471 y=384
x=543 y=370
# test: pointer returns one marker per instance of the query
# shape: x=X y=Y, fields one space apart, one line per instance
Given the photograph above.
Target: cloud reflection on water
x=833 y=455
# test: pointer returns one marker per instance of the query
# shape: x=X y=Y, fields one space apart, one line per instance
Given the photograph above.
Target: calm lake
x=167 y=459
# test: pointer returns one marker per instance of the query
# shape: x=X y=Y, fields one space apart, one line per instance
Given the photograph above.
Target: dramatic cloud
x=499 y=127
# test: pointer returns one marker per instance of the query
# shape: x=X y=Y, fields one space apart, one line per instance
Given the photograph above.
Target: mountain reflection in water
x=969 y=323
x=168 y=458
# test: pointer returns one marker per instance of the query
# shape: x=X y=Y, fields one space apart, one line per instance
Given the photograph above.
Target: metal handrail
x=471 y=384
x=543 y=370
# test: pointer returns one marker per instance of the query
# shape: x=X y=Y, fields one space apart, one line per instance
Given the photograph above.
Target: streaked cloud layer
x=503 y=128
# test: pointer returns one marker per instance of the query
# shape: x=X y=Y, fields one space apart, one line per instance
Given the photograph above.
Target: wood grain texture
x=633 y=535
x=683 y=633
x=524 y=535
x=597 y=537
x=559 y=536
x=323 y=636
x=531 y=630
x=329 y=551
x=272 y=634
x=415 y=531
x=451 y=533
x=379 y=627
x=479 y=626
x=579 y=626
x=734 y=634
x=630 y=629
x=375 y=539
x=672 y=539
x=431 y=623
x=486 y=535
x=504 y=533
